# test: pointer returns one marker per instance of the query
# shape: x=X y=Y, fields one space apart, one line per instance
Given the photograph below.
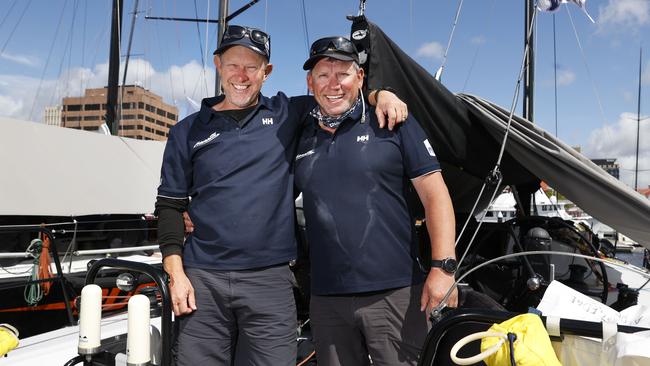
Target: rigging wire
x=202 y=75
x=266 y=14
x=15 y=27
x=555 y=85
x=83 y=48
x=47 y=60
x=555 y=73
x=74 y=222
x=8 y=12
x=163 y=46
x=495 y=176
x=438 y=74
x=584 y=59
x=67 y=52
x=488 y=23
x=301 y=4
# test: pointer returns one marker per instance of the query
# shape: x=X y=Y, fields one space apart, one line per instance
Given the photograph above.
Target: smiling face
x=242 y=72
x=335 y=85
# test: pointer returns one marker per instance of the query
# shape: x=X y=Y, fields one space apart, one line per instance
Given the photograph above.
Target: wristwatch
x=449 y=264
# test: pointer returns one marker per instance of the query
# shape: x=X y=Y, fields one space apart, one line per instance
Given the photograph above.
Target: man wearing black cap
x=230 y=283
x=368 y=291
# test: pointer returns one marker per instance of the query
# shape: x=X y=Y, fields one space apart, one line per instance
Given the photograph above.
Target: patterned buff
x=333 y=122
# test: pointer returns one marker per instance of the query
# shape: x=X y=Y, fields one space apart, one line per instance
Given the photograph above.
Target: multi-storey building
x=52 y=115
x=144 y=115
x=609 y=165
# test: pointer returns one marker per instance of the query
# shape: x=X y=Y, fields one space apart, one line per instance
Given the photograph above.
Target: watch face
x=450 y=265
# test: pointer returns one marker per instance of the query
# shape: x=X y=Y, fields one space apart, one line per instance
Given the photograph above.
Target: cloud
x=20 y=59
x=478 y=39
x=619 y=141
x=19 y=99
x=565 y=77
x=432 y=50
x=623 y=14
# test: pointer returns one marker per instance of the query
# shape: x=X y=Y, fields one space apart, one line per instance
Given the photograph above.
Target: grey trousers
x=388 y=326
x=242 y=318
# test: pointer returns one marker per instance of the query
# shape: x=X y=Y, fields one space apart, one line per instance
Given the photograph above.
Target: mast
x=114 y=67
x=529 y=71
x=222 y=23
x=221 y=28
x=638 y=124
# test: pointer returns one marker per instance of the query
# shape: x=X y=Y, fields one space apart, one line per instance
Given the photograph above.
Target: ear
x=309 y=81
x=360 y=74
x=217 y=63
x=267 y=71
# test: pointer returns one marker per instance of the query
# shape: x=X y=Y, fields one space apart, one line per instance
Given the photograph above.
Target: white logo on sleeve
x=363 y=138
x=210 y=138
x=267 y=121
x=429 y=148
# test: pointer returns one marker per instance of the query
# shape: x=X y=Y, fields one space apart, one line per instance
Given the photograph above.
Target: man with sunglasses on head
x=229 y=166
x=369 y=293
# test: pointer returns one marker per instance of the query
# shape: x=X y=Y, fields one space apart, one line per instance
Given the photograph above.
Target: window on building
x=73 y=107
x=72 y=118
x=141 y=105
x=128 y=116
x=126 y=105
x=91 y=118
x=140 y=116
x=161 y=112
x=90 y=128
x=160 y=133
x=171 y=116
x=160 y=123
x=92 y=107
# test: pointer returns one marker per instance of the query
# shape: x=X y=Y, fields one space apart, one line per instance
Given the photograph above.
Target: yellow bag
x=8 y=338
x=525 y=334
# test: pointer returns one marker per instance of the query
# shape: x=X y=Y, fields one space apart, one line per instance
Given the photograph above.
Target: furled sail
x=467 y=131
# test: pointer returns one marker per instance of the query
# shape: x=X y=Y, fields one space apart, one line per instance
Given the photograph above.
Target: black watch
x=449 y=264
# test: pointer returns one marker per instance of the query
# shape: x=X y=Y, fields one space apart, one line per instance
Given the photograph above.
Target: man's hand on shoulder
x=389 y=108
x=182 y=292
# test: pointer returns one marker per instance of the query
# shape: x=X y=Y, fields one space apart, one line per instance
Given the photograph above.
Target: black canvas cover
x=467 y=131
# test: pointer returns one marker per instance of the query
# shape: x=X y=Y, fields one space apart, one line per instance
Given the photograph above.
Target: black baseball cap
x=339 y=48
x=252 y=38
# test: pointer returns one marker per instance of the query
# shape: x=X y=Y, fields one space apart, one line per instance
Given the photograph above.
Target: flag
x=554 y=5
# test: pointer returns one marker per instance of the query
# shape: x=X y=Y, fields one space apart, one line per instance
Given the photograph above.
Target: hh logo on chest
x=267 y=121
x=363 y=138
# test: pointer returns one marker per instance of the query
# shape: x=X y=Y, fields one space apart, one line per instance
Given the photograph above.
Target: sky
x=50 y=49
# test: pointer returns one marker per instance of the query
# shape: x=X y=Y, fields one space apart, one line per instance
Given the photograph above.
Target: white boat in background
x=91 y=195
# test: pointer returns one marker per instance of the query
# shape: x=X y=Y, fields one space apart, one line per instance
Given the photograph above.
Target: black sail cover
x=466 y=132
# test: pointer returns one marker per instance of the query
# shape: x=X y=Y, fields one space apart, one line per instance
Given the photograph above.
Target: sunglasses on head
x=339 y=44
x=239 y=32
